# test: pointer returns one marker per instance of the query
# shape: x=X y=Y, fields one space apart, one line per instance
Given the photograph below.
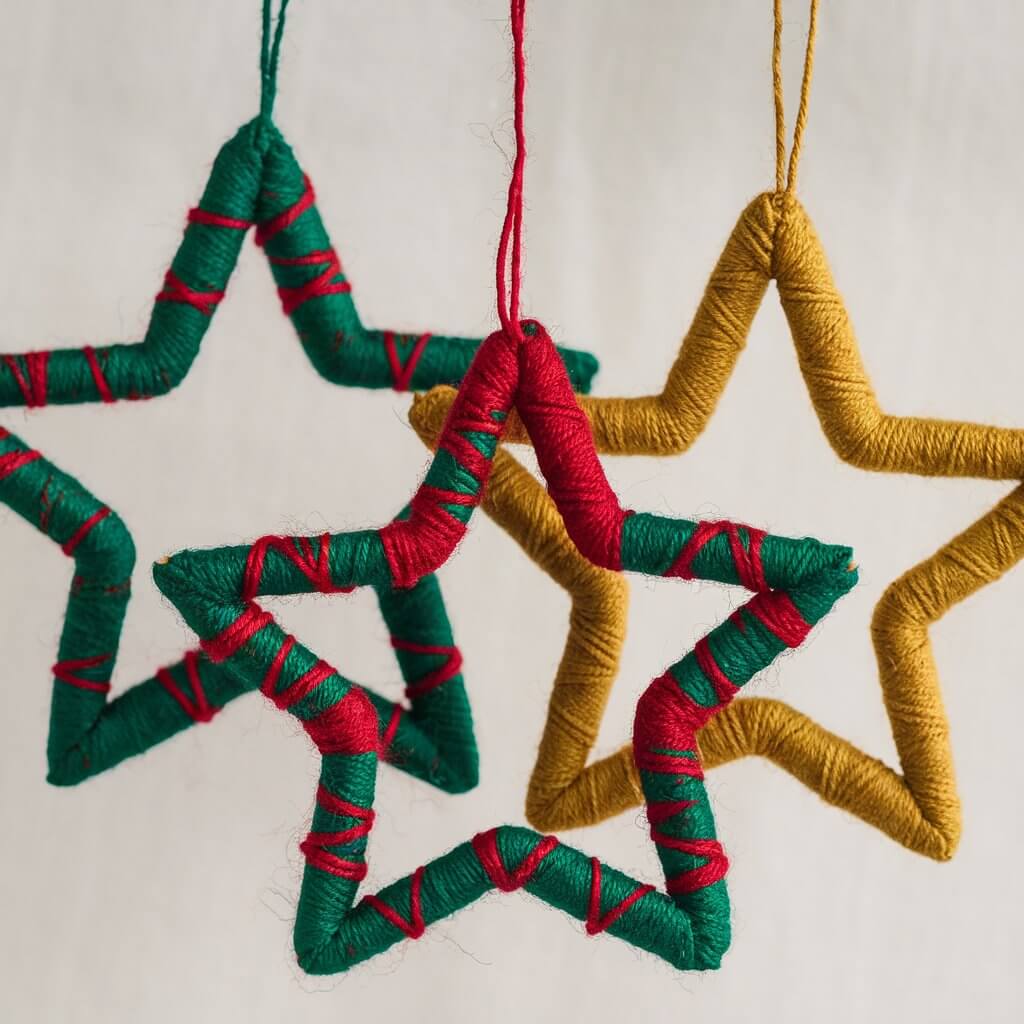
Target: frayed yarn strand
x=785 y=181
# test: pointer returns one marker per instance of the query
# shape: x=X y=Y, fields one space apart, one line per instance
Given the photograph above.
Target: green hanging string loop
x=270 y=52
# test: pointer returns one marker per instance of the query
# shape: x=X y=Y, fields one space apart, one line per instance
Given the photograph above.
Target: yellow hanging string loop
x=785 y=180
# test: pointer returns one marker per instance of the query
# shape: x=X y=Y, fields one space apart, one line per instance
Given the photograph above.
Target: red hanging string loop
x=512 y=229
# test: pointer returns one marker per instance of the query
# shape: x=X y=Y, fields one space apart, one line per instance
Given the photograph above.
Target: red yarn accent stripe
x=198 y=709
x=659 y=811
x=748 y=563
x=64 y=671
x=317 y=857
x=696 y=878
x=11 y=462
x=566 y=454
x=485 y=845
x=235 y=636
x=97 y=374
x=777 y=613
x=667 y=719
x=274 y=672
x=33 y=388
x=292 y=298
x=392 y=727
x=216 y=220
x=303 y=686
x=668 y=764
x=267 y=230
x=414 y=927
x=299 y=551
x=80 y=534
x=596 y=922
x=335 y=805
x=415 y=547
x=703 y=532
x=431 y=680
x=347 y=727
x=402 y=375
x=725 y=688
x=175 y=290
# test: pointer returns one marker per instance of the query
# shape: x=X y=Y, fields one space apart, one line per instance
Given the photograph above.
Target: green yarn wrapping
x=432 y=739
x=338 y=345
x=689 y=928
x=255 y=178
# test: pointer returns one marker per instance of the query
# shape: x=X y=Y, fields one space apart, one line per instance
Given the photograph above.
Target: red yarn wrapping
x=231 y=639
x=402 y=375
x=299 y=551
x=598 y=922
x=700 y=877
x=748 y=563
x=269 y=683
x=302 y=687
x=668 y=719
x=64 y=671
x=292 y=298
x=567 y=456
x=313 y=847
x=347 y=727
x=485 y=845
x=11 y=462
x=198 y=709
x=216 y=220
x=416 y=546
x=439 y=676
x=414 y=927
x=725 y=688
x=82 y=532
x=33 y=388
x=388 y=736
x=175 y=290
x=777 y=613
x=336 y=805
x=106 y=395
x=268 y=229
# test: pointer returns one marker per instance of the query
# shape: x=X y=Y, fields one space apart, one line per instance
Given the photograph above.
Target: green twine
x=270 y=53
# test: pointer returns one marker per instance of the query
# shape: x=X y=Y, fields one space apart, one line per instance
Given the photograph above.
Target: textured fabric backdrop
x=165 y=890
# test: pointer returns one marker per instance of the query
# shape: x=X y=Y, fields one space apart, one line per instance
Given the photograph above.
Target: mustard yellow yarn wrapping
x=774 y=238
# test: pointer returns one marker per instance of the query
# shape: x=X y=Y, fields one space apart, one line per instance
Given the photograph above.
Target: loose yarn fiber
x=795 y=583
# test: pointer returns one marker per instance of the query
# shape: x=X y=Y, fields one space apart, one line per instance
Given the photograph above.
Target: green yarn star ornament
x=687 y=925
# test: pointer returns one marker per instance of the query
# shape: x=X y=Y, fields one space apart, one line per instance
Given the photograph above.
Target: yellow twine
x=919 y=809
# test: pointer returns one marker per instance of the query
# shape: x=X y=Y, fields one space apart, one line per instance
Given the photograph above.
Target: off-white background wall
x=165 y=890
